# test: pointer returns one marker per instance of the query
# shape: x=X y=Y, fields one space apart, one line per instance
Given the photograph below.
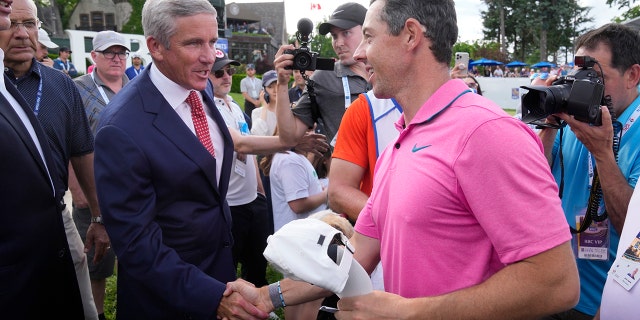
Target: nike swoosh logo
x=336 y=12
x=416 y=148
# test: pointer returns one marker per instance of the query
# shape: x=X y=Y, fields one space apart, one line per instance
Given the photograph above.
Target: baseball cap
x=136 y=55
x=64 y=49
x=222 y=60
x=43 y=37
x=346 y=16
x=105 y=39
x=251 y=66
x=269 y=77
x=313 y=251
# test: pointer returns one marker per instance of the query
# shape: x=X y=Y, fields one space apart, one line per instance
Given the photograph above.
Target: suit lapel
x=173 y=128
x=13 y=118
x=228 y=143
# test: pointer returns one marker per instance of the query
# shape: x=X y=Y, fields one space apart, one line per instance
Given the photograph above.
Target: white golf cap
x=305 y=249
x=43 y=38
x=105 y=39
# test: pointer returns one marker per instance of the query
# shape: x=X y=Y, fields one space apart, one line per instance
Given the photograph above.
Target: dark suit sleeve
x=155 y=228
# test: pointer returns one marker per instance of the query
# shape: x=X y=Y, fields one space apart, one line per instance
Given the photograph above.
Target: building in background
x=250 y=32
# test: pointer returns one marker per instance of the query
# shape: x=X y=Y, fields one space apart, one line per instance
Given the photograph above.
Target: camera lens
x=302 y=61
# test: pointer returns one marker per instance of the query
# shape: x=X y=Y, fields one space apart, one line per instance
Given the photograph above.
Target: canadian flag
x=315 y=6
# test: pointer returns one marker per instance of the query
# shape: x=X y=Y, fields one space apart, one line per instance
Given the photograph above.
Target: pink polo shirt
x=463 y=191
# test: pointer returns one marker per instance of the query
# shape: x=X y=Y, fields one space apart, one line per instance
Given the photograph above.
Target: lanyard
x=65 y=65
x=632 y=119
x=347 y=92
x=36 y=108
x=102 y=93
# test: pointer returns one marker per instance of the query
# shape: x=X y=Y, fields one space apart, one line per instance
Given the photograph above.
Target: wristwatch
x=97 y=219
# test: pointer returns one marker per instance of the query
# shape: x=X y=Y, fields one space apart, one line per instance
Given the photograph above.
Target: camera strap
x=595 y=194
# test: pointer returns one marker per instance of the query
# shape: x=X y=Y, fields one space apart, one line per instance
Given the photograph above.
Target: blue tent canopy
x=516 y=64
x=485 y=62
x=543 y=64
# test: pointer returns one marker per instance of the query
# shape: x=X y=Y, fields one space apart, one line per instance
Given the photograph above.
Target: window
x=97 y=21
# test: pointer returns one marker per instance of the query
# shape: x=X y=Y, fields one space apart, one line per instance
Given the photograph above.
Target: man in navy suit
x=161 y=191
x=37 y=275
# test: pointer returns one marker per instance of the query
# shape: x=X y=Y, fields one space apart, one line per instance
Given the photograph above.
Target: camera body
x=580 y=93
x=303 y=58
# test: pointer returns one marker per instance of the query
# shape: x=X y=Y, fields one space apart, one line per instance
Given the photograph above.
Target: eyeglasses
x=112 y=54
x=30 y=25
x=220 y=73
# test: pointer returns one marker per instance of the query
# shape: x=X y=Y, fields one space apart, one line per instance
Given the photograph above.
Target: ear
x=633 y=76
x=156 y=49
x=414 y=32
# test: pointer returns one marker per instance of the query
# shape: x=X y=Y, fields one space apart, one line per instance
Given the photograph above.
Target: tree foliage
x=66 y=8
x=134 y=25
x=632 y=12
x=541 y=26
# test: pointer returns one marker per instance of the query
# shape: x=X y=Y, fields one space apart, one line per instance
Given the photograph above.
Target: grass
x=110 y=296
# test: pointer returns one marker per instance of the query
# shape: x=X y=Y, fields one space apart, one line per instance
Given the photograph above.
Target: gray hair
x=437 y=16
x=158 y=16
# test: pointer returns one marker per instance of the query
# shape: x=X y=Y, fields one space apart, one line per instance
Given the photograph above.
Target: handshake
x=308 y=250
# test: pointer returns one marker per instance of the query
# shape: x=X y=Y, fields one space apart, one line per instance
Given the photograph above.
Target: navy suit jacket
x=166 y=215
x=37 y=276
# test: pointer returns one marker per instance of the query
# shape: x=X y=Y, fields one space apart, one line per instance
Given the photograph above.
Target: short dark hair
x=623 y=41
x=438 y=17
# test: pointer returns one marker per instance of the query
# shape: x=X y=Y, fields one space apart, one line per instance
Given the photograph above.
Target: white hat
x=43 y=38
x=105 y=39
x=305 y=249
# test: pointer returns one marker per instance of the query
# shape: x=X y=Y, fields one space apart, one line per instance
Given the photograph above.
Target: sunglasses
x=220 y=73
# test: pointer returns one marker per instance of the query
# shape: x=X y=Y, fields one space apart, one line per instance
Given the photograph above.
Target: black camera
x=580 y=93
x=303 y=58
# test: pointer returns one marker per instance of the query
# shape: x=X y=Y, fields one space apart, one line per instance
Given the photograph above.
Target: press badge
x=240 y=166
x=593 y=243
x=625 y=269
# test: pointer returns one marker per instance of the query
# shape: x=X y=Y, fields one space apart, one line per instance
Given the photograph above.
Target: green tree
x=134 y=25
x=65 y=7
x=632 y=12
x=548 y=24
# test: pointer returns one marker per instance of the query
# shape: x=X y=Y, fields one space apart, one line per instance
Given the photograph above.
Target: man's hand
x=97 y=236
x=313 y=142
x=245 y=299
x=47 y=62
x=376 y=305
x=597 y=139
x=283 y=61
x=234 y=306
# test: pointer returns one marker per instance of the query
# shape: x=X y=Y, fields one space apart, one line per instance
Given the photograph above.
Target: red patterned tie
x=200 y=121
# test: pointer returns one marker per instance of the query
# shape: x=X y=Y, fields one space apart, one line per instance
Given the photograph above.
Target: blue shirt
x=68 y=66
x=593 y=273
x=131 y=72
x=61 y=114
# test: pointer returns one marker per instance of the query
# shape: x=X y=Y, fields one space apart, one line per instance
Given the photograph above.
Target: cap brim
x=48 y=44
x=340 y=23
x=358 y=283
x=221 y=63
x=111 y=44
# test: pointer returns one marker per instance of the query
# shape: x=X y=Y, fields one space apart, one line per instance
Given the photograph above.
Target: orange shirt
x=352 y=145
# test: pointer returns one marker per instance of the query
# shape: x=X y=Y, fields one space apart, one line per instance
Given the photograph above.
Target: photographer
x=335 y=89
x=589 y=158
